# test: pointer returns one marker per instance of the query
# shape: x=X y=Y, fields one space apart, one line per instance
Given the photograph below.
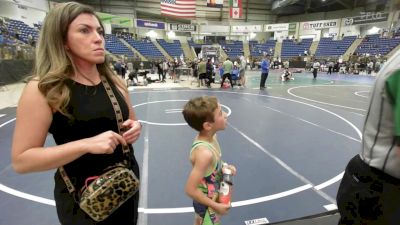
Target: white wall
x=333 y=32
x=364 y=28
x=350 y=31
x=214 y=29
x=316 y=34
x=28 y=12
x=143 y=32
x=281 y=35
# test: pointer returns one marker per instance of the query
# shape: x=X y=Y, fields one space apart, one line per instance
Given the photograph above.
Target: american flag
x=179 y=8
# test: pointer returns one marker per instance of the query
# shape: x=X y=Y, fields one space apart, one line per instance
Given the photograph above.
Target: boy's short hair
x=199 y=110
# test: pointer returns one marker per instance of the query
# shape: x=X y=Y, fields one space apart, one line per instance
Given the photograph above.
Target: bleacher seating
x=146 y=48
x=292 y=49
x=24 y=30
x=115 y=46
x=173 y=49
x=233 y=49
x=198 y=45
x=259 y=49
x=334 y=48
x=375 y=45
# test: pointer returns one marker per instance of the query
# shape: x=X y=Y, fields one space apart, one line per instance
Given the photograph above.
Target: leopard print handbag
x=104 y=194
x=108 y=192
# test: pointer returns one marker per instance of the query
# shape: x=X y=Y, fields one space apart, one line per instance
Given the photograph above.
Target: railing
x=12 y=52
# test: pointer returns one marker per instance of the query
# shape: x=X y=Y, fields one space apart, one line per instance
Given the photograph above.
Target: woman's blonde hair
x=53 y=66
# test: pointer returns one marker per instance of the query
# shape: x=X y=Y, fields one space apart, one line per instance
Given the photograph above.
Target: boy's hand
x=222 y=209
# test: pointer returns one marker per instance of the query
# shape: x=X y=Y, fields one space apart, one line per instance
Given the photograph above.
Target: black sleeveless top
x=92 y=114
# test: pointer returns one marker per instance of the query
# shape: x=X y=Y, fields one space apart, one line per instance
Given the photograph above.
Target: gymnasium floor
x=290 y=144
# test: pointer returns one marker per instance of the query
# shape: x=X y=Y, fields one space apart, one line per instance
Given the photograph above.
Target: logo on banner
x=276 y=27
x=366 y=18
x=319 y=25
x=348 y=21
x=183 y=27
x=150 y=24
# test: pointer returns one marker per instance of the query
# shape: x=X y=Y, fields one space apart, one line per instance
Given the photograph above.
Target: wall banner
x=365 y=18
x=247 y=28
x=150 y=24
x=318 y=25
x=276 y=27
x=182 y=27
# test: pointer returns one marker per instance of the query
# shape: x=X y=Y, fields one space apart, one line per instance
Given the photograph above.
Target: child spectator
x=204 y=114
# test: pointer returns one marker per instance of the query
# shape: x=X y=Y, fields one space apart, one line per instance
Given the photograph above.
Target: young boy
x=205 y=115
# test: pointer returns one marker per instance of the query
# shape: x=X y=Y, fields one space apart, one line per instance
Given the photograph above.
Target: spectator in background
x=286 y=64
x=159 y=71
x=118 y=67
x=264 y=71
x=228 y=67
x=209 y=71
x=129 y=66
x=17 y=33
x=165 y=67
x=202 y=72
x=315 y=67
x=242 y=72
x=123 y=70
x=330 y=67
x=30 y=39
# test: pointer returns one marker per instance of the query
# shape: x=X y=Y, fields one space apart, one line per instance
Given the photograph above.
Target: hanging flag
x=215 y=3
x=179 y=8
x=235 y=13
x=235 y=9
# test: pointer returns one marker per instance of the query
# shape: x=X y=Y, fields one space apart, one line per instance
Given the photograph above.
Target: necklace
x=87 y=78
x=92 y=89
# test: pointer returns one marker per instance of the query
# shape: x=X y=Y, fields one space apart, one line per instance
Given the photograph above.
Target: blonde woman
x=67 y=99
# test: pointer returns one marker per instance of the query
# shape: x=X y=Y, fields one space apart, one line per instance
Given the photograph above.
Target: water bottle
x=225 y=189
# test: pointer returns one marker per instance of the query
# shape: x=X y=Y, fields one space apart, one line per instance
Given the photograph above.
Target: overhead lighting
x=373 y=30
x=171 y=34
x=151 y=34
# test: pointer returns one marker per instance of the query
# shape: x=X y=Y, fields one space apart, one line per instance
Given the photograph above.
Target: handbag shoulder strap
x=120 y=120
x=117 y=110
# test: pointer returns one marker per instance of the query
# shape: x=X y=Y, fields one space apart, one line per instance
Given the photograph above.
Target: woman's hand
x=104 y=143
x=132 y=133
